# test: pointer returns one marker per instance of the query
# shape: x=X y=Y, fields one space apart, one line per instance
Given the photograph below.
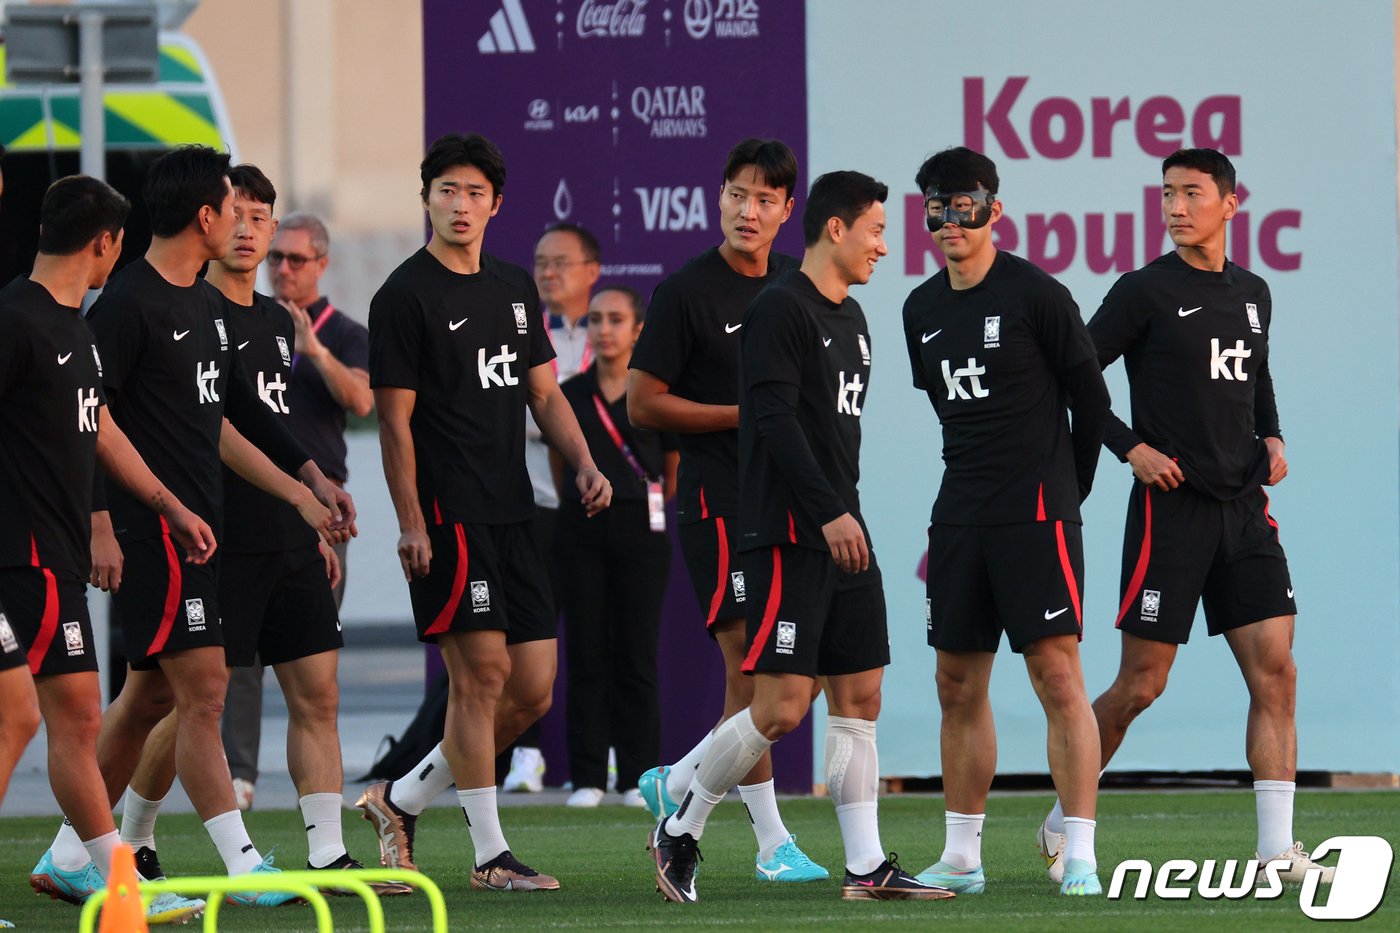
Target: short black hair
x=846 y=195
x=249 y=181
x=182 y=181
x=774 y=160
x=76 y=210
x=586 y=240
x=458 y=149
x=634 y=298
x=957 y=168
x=1210 y=161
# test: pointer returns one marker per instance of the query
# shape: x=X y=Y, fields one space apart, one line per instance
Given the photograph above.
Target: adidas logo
x=509 y=31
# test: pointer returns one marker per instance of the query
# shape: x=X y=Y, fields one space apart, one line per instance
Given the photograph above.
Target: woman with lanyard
x=613 y=567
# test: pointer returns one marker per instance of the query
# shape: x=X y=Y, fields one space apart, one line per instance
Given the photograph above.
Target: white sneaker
x=1052 y=846
x=585 y=797
x=243 y=793
x=1300 y=860
x=526 y=772
x=633 y=798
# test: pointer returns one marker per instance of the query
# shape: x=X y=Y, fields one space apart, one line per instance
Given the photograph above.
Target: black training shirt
x=317 y=418
x=50 y=397
x=257 y=522
x=991 y=359
x=1196 y=348
x=804 y=372
x=691 y=343
x=465 y=344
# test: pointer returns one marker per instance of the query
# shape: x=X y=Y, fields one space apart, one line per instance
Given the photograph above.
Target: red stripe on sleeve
x=459 y=586
x=174 y=583
x=1139 y=571
x=717 y=600
x=1070 y=582
x=770 y=612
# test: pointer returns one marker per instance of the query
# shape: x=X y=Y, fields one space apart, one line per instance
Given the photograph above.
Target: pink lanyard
x=616 y=436
x=554 y=363
x=316 y=326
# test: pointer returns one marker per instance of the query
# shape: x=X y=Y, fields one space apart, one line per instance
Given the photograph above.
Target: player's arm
x=1266 y=423
x=107 y=558
x=401 y=474
x=348 y=385
x=1089 y=414
x=560 y=429
x=650 y=404
x=123 y=463
x=557 y=469
x=672 y=467
x=249 y=462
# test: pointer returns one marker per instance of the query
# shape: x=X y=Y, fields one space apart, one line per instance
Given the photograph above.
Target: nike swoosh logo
x=453 y=325
x=64 y=358
x=866 y=884
x=731 y=328
x=1290 y=592
x=826 y=342
x=1180 y=312
x=244 y=344
x=1050 y=615
x=928 y=337
x=180 y=334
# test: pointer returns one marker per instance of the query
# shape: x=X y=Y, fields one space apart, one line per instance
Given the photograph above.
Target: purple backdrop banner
x=618 y=116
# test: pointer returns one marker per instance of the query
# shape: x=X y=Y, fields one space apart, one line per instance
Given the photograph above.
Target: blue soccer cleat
x=262 y=898
x=1081 y=879
x=72 y=886
x=957 y=880
x=652 y=786
x=789 y=863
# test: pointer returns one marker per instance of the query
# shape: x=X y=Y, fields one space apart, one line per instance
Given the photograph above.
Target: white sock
x=1273 y=804
x=67 y=849
x=736 y=747
x=139 y=820
x=683 y=772
x=100 y=851
x=962 y=847
x=413 y=792
x=484 y=823
x=762 y=803
x=1055 y=822
x=231 y=839
x=324 y=843
x=853 y=781
x=1079 y=840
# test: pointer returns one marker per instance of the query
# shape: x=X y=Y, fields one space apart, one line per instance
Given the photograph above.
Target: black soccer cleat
x=346 y=863
x=676 y=858
x=889 y=882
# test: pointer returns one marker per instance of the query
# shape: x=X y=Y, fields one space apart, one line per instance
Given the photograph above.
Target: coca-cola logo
x=621 y=19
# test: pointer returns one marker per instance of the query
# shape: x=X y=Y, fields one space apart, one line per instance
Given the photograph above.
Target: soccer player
x=457 y=352
x=171 y=373
x=1002 y=352
x=819 y=609
x=54 y=425
x=684 y=378
x=1193 y=331
x=273 y=588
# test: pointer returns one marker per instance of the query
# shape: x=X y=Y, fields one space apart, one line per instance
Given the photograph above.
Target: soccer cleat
x=526 y=772
x=1299 y=862
x=585 y=797
x=652 y=786
x=393 y=826
x=1052 y=846
x=889 y=882
x=505 y=872
x=169 y=907
x=243 y=793
x=789 y=863
x=346 y=863
x=262 y=898
x=957 y=880
x=1081 y=879
x=676 y=860
x=148 y=865
x=71 y=886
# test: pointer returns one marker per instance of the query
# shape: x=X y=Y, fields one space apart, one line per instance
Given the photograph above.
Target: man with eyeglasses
x=329 y=377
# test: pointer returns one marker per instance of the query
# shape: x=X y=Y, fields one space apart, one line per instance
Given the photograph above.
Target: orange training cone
x=123 y=912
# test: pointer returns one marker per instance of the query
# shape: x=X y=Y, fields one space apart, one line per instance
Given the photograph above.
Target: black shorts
x=1024 y=579
x=484 y=578
x=46 y=624
x=809 y=618
x=277 y=607
x=1181 y=547
x=709 y=549
x=165 y=604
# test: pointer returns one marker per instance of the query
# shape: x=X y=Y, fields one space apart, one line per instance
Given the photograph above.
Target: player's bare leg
x=313 y=738
x=19 y=720
x=529 y=690
x=1141 y=679
x=146 y=698
x=72 y=708
x=968 y=734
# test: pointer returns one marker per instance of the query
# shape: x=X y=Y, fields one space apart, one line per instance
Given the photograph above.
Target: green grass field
x=606 y=877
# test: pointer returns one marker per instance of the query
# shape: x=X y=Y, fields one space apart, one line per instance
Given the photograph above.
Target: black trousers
x=612 y=572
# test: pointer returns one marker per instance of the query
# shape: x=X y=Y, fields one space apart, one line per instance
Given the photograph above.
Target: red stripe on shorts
x=1070 y=582
x=1040 y=503
x=1140 y=571
x=717 y=600
x=1267 y=517
x=437 y=512
x=48 y=623
x=459 y=586
x=792 y=529
x=174 y=583
x=704 y=509
x=770 y=612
